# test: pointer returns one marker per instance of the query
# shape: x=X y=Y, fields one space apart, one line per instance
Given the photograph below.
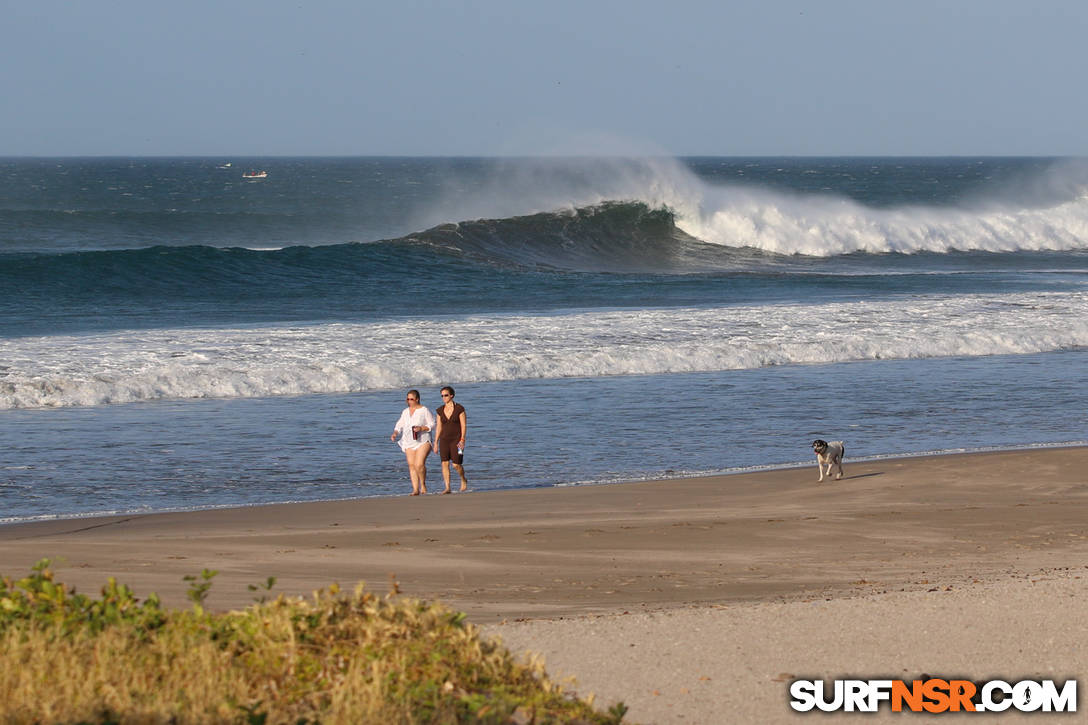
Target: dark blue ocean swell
x=104 y=290
x=609 y=237
x=610 y=255
x=539 y=262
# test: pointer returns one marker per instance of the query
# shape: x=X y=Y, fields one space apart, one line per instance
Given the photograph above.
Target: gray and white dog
x=828 y=455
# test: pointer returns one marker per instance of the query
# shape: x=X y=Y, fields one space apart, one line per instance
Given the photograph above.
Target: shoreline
x=743 y=470
x=563 y=550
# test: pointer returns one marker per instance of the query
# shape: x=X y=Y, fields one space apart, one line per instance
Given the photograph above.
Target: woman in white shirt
x=414 y=427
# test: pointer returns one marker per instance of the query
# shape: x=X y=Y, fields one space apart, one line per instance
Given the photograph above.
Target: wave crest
x=1041 y=210
x=607 y=237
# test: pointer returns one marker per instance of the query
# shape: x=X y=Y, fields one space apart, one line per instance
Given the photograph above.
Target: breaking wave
x=259 y=361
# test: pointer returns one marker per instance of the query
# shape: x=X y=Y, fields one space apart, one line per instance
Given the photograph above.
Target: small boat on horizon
x=255 y=175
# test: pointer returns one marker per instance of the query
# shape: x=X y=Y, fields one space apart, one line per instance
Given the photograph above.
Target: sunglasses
x=411 y=399
x=446 y=395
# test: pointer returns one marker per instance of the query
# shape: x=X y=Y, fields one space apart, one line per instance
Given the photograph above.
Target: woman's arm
x=464 y=425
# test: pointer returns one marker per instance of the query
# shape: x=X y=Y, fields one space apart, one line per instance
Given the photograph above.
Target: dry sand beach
x=692 y=600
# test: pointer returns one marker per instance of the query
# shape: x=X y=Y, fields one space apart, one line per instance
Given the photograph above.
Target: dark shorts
x=447 y=451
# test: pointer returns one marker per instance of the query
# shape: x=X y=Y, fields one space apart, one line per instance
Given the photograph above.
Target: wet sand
x=774 y=573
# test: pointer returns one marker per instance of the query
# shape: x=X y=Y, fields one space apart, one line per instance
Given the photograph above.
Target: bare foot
x=464 y=487
x=415 y=493
x=446 y=491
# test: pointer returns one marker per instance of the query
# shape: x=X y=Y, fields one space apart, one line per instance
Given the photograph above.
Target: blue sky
x=248 y=77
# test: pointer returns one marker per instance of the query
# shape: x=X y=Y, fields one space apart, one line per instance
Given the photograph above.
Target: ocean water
x=174 y=336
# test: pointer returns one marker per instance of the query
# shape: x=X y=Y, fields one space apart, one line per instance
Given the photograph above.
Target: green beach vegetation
x=337 y=657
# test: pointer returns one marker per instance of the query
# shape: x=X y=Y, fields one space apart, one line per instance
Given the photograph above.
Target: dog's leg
x=838 y=466
x=820 y=468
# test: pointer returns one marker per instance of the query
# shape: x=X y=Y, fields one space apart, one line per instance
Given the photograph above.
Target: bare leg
x=412 y=472
x=446 y=475
x=421 y=463
x=460 y=472
x=417 y=466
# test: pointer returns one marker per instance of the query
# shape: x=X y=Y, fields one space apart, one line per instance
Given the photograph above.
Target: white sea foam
x=831 y=226
x=122 y=367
